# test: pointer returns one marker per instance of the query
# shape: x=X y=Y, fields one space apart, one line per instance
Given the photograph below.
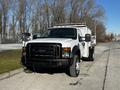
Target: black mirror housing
x=87 y=37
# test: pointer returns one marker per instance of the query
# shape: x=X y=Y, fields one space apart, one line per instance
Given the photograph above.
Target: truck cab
x=60 y=46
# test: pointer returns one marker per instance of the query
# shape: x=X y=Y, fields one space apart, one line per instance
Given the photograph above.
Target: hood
x=63 y=41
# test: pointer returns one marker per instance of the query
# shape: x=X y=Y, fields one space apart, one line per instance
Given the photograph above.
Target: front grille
x=40 y=51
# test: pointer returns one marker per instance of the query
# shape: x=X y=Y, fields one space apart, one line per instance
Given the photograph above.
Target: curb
x=10 y=73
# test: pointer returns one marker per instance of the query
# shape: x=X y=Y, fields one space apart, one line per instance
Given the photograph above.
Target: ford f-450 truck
x=60 y=46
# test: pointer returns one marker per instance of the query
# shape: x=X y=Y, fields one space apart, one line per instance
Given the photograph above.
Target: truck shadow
x=45 y=70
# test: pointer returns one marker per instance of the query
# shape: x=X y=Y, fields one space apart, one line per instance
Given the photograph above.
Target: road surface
x=102 y=74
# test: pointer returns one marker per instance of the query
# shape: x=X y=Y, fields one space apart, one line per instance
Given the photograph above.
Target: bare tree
x=100 y=31
x=4 y=10
x=0 y=25
x=74 y=12
x=58 y=11
x=38 y=15
x=91 y=14
x=13 y=21
x=41 y=17
x=47 y=12
x=35 y=17
x=30 y=9
x=22 y=15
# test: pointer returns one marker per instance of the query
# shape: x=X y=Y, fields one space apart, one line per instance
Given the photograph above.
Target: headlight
x=23 y=51
x=66 y=52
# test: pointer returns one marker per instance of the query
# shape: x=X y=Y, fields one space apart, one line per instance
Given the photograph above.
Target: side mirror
x=25 y=36
x=28 y=34
x=87 y=37
x=34 y=36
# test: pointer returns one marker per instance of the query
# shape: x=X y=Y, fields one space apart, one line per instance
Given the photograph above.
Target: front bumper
x=46 y=63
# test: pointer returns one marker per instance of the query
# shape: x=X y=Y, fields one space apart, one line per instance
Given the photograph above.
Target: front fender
x=75 y=51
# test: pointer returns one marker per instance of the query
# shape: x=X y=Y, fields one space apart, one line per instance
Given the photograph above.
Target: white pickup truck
x=61 y=46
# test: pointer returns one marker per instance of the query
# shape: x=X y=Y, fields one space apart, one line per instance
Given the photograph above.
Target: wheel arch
x=76 y=51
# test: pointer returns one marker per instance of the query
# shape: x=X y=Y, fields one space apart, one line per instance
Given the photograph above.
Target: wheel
x=91 y=54
x=74 y=69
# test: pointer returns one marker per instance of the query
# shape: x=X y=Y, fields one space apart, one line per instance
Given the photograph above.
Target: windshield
x=60 y=33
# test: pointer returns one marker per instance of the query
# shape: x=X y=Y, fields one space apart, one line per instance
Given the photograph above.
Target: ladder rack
x=72 y=24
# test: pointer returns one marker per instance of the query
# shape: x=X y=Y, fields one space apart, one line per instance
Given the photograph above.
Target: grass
x=10 y=60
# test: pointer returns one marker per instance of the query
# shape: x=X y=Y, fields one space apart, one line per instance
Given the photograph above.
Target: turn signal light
x=67 y=49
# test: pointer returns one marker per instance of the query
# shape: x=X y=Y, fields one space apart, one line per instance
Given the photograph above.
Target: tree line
x=18 y=16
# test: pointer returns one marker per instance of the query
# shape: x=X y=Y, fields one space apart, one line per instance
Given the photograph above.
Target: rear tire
x=74 y=69
x=91 y=54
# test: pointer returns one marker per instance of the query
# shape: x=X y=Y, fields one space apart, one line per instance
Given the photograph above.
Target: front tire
x=74 y=69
